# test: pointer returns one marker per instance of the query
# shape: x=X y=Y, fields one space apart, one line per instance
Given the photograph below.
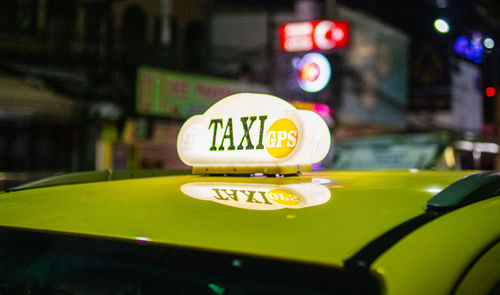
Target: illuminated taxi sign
x=262 y=197
x=253 y=133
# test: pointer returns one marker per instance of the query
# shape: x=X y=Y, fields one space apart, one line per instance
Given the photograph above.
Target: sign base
x=238 y=170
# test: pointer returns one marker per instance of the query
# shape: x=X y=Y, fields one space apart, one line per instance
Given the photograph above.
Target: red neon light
x=490 y=91
x=314 y=35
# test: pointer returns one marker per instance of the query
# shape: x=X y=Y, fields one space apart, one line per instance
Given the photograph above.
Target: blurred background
x=106 y=84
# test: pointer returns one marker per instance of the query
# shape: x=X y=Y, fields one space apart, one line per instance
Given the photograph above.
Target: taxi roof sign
x=249 y=133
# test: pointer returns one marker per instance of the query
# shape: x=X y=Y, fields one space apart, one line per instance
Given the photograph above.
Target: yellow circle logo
x=281 y=138
x=283 y=197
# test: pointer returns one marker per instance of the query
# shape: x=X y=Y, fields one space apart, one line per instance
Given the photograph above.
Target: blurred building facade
x=90 y=52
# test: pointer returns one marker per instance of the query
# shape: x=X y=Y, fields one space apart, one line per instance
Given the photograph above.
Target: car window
x=27 y=271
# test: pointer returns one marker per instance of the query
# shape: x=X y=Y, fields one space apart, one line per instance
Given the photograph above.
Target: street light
x=488 y=43
x=490 y=91
x=441 y=26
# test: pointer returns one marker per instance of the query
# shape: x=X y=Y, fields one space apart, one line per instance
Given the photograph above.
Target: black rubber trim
x=368 y=254
x=469 y=190
x=257 y=270
x=476 y=259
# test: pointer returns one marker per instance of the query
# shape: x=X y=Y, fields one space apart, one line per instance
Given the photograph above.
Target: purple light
x=322 y=109
x=470 y=48
x=460 y=45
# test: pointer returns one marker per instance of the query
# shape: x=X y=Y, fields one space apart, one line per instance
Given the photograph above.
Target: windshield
x=58 y=273
x=39 y=263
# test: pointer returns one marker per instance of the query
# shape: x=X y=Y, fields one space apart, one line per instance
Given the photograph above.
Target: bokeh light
x=441 y=26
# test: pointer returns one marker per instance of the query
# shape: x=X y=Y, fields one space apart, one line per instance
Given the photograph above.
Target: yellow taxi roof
x=358 y=207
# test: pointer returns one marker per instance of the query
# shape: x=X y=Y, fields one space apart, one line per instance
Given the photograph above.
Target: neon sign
x=314 y=35
x=473 y=47
x=314 y=72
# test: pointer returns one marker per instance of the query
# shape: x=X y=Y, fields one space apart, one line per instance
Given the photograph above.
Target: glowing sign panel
x=314 y=35
x=253 y=133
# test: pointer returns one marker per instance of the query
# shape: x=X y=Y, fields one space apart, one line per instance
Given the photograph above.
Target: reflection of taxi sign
x=262 y=197
x=250 y=133
x=283 y=197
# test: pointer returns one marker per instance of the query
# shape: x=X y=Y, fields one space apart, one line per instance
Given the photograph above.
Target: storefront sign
x=314 y=35
x=176 y=95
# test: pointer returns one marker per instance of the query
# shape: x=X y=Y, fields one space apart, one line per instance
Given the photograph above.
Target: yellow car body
x=371 y=229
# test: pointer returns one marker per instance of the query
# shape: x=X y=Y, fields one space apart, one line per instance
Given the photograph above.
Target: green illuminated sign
x=176 y=95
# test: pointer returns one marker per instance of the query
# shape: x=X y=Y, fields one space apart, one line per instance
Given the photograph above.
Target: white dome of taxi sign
x=251 y=133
